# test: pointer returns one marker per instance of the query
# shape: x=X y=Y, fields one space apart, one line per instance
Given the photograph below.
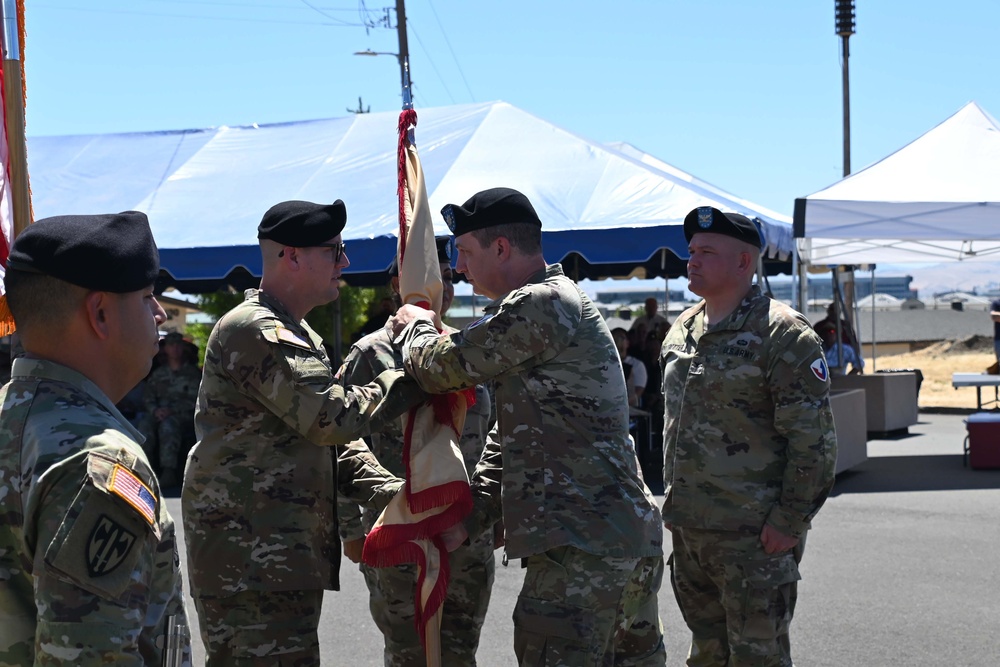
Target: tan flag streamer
x=436 y=494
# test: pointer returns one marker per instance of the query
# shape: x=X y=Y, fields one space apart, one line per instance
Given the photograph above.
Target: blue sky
x=744 y=94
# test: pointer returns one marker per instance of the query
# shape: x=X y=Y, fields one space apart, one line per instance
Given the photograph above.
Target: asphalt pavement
x=902 y=568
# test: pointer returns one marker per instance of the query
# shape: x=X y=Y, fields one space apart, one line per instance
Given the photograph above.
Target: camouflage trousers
x=261 y=628
x=737 y=600
x=581 y=610
x=167 y=441
x=391 y=599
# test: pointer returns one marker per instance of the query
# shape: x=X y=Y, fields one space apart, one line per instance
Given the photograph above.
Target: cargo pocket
x=769 y=596
x=549 y=634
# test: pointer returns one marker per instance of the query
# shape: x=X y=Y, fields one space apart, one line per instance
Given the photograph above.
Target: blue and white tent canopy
x=605 y=211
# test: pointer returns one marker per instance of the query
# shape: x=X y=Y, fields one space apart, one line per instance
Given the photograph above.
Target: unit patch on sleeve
x=819 y=369
x=109 y=544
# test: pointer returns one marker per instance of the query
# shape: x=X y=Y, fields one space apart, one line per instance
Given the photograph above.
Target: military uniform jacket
x=259 y=494
x=748 y=430
x=176 y=390
x=89 y=572
x=559 y=456
x=368 y=357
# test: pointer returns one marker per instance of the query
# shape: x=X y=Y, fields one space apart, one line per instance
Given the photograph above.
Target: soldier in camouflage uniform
x=392 y=589
x=258 y=498
x=89 y=570
x=749 y=449
x=559 y=461
x=169 y=397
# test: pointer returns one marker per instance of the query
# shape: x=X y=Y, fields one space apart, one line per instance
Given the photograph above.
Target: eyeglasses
x=338 y=250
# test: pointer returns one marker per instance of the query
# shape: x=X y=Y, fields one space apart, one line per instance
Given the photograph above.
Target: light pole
x=845 y=28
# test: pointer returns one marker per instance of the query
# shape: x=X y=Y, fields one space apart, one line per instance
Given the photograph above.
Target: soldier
x=749 y=449
x=574 y=506
x=258 y=497
x=169 y=397
x=88 y=553
x=391 y=589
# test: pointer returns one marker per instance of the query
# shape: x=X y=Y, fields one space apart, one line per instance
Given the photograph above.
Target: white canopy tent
x=605 y=212
x=936 y=199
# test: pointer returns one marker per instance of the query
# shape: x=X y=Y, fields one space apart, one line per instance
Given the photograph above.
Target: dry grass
x=938 y=362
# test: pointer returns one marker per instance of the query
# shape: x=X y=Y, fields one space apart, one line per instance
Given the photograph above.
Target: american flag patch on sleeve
x=125 y=484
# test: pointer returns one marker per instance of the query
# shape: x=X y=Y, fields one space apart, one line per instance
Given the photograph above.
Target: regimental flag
x=436 y=494
x=15 y=199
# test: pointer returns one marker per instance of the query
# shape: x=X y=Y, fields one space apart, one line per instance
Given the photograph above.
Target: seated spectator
x=169 y=400
x=839 y=355
x=635 y=369
x=846 y=330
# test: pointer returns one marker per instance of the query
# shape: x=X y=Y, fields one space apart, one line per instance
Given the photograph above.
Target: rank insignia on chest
x=130 y=488
x=109 y=544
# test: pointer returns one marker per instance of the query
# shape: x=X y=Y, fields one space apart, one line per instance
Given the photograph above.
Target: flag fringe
x=390 y=544
x=7 y=326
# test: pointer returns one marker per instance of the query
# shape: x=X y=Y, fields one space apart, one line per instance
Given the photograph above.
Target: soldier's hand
x=406 y=314
x=455 y=536
x=353 y=549
x=775 y=541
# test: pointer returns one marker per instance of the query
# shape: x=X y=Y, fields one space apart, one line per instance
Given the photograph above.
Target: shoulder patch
x=287 y=336
x=819 y=369
x=125 y=484
x=108 y=545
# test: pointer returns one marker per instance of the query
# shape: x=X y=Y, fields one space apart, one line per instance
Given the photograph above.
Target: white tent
x=936 y=199
x=604 y=212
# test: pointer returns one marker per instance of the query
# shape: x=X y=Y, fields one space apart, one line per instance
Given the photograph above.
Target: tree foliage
x=354 y=307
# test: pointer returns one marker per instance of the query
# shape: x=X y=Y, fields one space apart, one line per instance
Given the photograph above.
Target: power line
x=431 y=61
x=241 y=4
x=90 y=10
x=453 y=56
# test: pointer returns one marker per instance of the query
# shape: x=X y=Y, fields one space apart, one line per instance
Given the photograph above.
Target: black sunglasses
x=338 y=250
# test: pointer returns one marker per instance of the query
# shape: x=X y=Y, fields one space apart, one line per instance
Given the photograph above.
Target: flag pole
x=13 y=103
x=15 y=195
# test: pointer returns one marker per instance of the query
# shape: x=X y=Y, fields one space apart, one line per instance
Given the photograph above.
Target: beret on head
x=108 y=253
x=302 y=224
x=489 y=208
x=173 y=337
x=713 y=221
x=443 y=244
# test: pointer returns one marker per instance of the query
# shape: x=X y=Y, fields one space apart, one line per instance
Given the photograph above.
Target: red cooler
x=982 y=447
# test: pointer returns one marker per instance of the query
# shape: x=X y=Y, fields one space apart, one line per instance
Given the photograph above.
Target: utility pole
x=361 y=108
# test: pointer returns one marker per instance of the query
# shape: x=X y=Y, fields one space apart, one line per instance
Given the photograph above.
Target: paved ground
x=902 y=568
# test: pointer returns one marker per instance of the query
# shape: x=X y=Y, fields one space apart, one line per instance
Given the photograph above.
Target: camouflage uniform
x=258 y=496
x=561 y=460
x=88 y=554
x=748 y=439
x=391 y=589
x=168 y=440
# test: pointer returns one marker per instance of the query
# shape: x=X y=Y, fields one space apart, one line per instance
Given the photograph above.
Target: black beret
x=489 y=208
x=301 y=224
x=443 y=244
x=713 y=221
x=173 y=337
x=108 y=253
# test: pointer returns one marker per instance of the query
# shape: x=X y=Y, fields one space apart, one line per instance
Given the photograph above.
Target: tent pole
x=874 y=342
